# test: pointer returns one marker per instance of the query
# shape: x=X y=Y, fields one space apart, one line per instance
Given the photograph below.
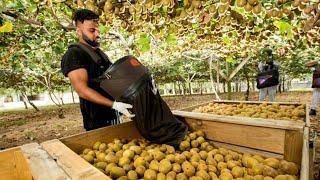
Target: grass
x=19 y=122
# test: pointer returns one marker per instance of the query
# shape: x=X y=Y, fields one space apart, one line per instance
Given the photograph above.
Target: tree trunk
x=218 y=80
x=224 y=87
x=200 y=88
x=279 y=87
x=229 y=89
x=283 y=82
x=174 y=88
x=61 y=113
x=30 y=102
x=183 y=88
x=189 y=86
x=24 y=102
x=179 y=88
x=72 y=95
x=61 y=98
x=248 y=84
x=214 y=88
x=253 y=85
x=237 y=86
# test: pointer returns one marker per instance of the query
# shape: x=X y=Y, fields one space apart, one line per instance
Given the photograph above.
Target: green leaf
x=103 y=29
x=230 y=59
x=227 y=40
x=143 y=43
x=6 y=27
x=171 y=39
x=195 y=26
x=283 y=26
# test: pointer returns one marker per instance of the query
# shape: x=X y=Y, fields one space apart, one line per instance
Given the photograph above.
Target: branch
x=220 y=72
x=66 y=28
x=121 y=38
x=237 y=69
x=17 y=16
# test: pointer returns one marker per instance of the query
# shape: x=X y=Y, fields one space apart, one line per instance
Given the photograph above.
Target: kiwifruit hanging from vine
x=257 y=9
x=308 y=10
x=108 y=6
x=241 y=3
x=296 y=3
x=253 y=2
x=222 y=8
x=248 y=7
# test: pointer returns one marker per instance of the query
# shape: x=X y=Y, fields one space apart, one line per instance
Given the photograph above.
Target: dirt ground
x=26 y=126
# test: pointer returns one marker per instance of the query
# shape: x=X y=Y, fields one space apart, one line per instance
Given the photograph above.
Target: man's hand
x=123 y=108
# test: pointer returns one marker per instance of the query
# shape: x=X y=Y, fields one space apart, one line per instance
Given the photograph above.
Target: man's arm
x=79 y=81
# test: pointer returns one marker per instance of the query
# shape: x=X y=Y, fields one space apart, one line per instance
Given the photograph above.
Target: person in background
x=268 y=76
x=314 y=66
x=98 y=108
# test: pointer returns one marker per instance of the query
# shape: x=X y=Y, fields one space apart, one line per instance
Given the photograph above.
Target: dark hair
x=84 y=14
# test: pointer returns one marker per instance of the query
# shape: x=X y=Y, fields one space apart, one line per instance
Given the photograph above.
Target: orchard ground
x=19 y=127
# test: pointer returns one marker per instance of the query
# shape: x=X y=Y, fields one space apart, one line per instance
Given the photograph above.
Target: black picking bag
x=127 y=80
x=267 y=78
x=316 y=79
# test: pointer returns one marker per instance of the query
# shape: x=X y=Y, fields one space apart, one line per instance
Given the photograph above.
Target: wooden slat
x=237 y=102
x=7 y=164
x=22 y=168
x=73 y=164
x=262 y=138
x=107 y=134
x=13 y=165
x=190 y=108
x=41 y=164
x=247 y=150
x=257 y=102
x=293 y=146
x=305 y=168
x=307 y=115
x=278 y=124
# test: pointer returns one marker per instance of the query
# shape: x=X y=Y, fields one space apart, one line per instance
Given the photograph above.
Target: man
x=268 y=76
x=97 y=106
x=314 y=66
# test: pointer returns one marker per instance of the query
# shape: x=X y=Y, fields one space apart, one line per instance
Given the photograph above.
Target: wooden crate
x=307 y=108
x=65 y=150
x=280 y=137
x=13 y=165
x=29 y=161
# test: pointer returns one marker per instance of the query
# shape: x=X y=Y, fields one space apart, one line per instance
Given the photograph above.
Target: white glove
x=122 y=108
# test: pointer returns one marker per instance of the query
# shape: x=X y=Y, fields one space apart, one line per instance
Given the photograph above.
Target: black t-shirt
x=94 y=115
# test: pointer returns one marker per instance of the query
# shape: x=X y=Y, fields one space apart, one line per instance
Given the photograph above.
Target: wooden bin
x=13 y=164
x=281 y=137
x=29 y=161
x=65 y=151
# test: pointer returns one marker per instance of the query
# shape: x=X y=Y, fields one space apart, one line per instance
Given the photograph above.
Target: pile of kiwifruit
x=263 y=110
x=195 y=159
